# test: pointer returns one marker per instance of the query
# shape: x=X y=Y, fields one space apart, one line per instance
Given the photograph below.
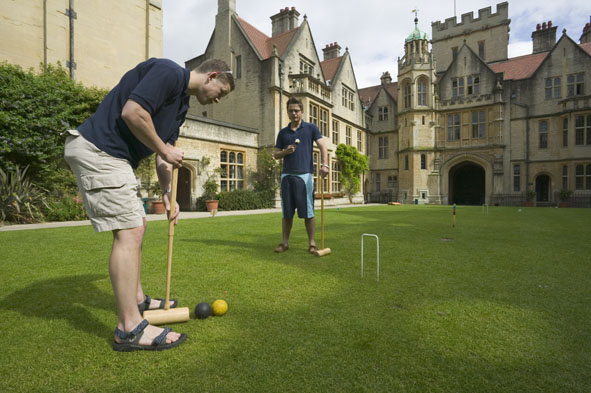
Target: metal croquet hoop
x=377 y=255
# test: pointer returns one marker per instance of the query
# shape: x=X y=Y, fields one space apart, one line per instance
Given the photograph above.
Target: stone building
x=476 y=127
x=269 y=70
x=98 y=41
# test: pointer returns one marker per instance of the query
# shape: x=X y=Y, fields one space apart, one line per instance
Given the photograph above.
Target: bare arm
x=281 y=153
x=164 y=173
x=140 y=123
x=324 y=170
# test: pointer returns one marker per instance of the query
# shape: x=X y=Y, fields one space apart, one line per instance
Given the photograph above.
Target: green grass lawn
x=501 y=303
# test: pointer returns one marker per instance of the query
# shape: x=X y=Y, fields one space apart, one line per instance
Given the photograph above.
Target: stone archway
x=467 y=185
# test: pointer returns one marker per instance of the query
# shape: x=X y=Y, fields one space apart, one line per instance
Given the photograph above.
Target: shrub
x=68 y=208
x=21 y=201
x=267 y=177
x=34 y=110
x=239 y=200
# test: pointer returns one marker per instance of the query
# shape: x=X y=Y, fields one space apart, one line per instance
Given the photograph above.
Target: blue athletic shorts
x=297 y=192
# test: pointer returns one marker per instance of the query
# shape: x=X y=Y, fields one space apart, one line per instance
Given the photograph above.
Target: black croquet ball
x=202 y=310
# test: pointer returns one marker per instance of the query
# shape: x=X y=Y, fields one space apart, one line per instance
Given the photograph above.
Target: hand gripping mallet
x=169 y=315
x=323 y=251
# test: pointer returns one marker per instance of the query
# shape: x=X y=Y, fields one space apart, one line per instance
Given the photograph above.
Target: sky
x=374 y=33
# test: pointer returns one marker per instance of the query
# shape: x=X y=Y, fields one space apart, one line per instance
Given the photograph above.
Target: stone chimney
x=226 y=5
x=386 y=78
x=544 y=37
x=285 y=20
x=331 y=51
x=586 y=36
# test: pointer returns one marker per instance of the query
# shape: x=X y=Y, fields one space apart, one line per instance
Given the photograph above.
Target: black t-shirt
x=301 y=160
x=160 y=87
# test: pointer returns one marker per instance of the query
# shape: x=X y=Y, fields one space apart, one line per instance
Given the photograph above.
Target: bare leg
x=311 y=230
x=286 y=225
x=124 y=272
x=140 y=292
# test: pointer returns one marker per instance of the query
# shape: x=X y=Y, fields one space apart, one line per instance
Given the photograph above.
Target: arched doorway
x=467 y=184
x=184 y=189
x=542 y=188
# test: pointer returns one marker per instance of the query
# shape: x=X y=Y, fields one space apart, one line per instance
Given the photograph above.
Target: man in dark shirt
x=139 y=116
x=295 y=145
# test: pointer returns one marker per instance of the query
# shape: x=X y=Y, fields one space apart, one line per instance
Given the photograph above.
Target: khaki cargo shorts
x=108 y=186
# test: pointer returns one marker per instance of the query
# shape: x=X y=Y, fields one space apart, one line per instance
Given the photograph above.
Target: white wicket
x=377 y=255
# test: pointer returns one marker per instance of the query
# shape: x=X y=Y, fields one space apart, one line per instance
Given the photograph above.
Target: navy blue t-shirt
x=301 y=160
x=160 y=87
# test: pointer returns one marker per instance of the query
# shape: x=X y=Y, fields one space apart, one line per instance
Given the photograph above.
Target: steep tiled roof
x=330 y=67
x=263 y=43
x=520 y=67
x=369 y=94
x=586 y=47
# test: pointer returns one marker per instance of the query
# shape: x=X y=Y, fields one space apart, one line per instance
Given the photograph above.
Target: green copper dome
x=417 y=34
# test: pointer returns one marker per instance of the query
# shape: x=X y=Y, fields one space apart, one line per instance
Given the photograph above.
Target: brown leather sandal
x=312 y=249
x=281 y=248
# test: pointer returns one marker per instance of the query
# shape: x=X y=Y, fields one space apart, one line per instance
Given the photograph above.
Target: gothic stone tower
x=418 y=169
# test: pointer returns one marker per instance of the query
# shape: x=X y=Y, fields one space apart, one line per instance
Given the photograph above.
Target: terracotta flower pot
x=211 y=205
x=158 y=207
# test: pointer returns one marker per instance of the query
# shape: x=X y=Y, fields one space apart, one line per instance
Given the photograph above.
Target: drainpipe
x=526 y=144
x=71 y=64
x=280 y=95
x=45 y=32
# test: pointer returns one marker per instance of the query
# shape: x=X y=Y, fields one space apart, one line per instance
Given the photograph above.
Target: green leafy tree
x=352 y=164
x=35 y=108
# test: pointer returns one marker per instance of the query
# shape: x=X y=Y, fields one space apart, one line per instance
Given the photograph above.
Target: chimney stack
x=544 y=38
x=331 y=51
x=586 y=36
x=386 y=78
x=285 y=20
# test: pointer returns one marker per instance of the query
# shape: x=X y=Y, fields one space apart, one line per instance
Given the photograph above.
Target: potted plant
x=152 y=194
x=564 y=197
x=210 y=185
x=529 y=197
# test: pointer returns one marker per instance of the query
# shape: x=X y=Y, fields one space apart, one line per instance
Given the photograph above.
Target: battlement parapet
x=451 y=27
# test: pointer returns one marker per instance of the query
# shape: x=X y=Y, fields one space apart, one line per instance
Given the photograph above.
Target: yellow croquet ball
x=219 y=307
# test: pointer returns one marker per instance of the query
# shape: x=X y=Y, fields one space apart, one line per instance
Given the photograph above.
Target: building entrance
x=466 y=184
x=184 y=189
x=542 y=188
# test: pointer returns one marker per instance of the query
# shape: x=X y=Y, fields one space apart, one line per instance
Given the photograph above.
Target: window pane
x=232 y=157
x=224 y=156
x=239 y=158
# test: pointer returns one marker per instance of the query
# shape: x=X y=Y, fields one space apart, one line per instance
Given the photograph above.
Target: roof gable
x=369 y=95
x=330 y=67
x=524 y=67
x=472 y=54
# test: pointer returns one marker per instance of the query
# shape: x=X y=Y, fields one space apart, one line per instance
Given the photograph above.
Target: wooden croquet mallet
x=169 y=315
x=323 y=251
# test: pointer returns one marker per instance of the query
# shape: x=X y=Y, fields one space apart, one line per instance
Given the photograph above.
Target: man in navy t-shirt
x=140 y=116
x=295 y=145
